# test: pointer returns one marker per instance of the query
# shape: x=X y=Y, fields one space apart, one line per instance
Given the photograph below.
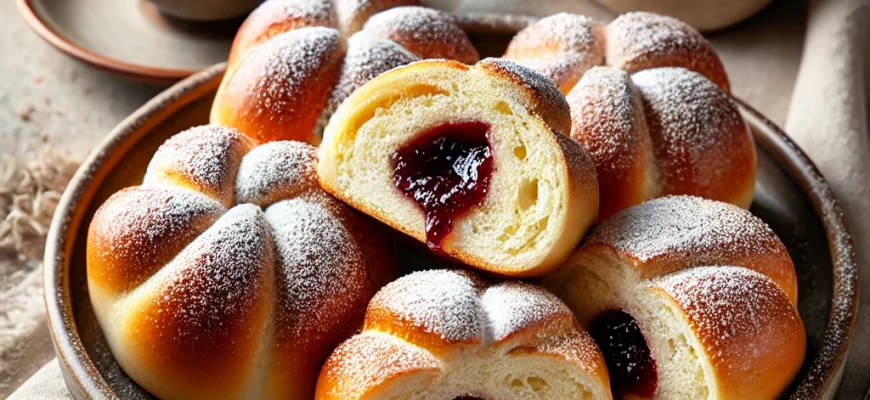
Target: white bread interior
x=536 y=209
x=494 y=374
x=601 y=282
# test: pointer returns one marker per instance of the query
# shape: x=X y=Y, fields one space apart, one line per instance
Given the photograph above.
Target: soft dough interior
x=525 y=207
x=490 y=374
x=599 y=283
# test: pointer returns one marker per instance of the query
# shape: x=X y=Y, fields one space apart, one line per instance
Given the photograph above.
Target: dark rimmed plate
x=791 y=196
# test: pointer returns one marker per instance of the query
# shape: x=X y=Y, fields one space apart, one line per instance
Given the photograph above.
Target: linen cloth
x=802 y=65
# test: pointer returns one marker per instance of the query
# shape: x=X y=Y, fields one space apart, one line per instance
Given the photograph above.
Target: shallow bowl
x=791 y=196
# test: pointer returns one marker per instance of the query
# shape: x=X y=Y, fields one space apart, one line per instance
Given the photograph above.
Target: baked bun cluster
x=294 y=61
x=687 y=298
x=233 y=272
x=649 y=102
x=445 y=334
x=471 y=160
x=229 y=273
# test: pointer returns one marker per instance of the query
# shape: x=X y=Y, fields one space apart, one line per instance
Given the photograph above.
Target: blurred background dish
x=206 y=10
x=704 y=15
x=132 y=38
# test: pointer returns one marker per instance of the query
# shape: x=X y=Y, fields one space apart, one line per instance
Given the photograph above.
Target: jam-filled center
x=467 y=397
x=631 y=366
x=446 y=171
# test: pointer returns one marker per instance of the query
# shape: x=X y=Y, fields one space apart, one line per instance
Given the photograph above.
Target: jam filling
x=467 y=397
x=446 y=171
x=632 y=369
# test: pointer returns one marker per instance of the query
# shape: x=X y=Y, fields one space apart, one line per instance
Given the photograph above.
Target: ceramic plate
x=130 y=37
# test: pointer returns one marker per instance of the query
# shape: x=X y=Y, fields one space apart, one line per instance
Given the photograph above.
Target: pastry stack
x=577 y=192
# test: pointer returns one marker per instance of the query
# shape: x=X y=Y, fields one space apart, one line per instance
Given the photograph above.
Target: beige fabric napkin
x=826 y=115
x=828 y=120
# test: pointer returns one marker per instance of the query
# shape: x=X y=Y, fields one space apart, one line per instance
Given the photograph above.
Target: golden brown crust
x=139 y=229
x=425 y=32
x=353 y=14
x=542 y=95
x=686 y=138
x=537 y=94
x=290 y=65
x=204 y=159
x=186 y=333
x=562 y=47
x=702 y=145
x=201 y=301
x=274 y=17
x=642 y=40
x=371 y=361
x=415 y=326
x=673 y=233
x=607 y=118
x=710 y=285
x=279 y=90
x=750 y=331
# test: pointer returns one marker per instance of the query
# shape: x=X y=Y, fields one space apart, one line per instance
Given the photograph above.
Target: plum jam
x=632 y=369
x=446 y=171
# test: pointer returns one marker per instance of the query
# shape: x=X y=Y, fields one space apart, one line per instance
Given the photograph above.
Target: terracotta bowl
x=791 y=196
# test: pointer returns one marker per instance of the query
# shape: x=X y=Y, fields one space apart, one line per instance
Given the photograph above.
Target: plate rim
x=80 y=372
x=136 y=72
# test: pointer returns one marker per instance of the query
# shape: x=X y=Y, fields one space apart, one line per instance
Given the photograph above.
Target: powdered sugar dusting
x=204 y=296
x=644 y=34
x=575 y=345
x=131 y=228
x=464 y=310
x=641 y=40
x=439 y=302
x=562 y=46
x=687 y=227
x=462 y=307
x=549 y=102
x=216 y=283
x=368 y=359
x=366 y=58
x=733 y=309
x=354 y=13
x=205 y=158
x=513 y=306
x=322 y=275
x=292 y=64
x=698 y=134
x=607 y=118
x=425 y=32
x=274 y=171
x=308 y=12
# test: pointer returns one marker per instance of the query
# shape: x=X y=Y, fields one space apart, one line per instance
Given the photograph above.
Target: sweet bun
x=470 y=160
x=446 y=334
x=293 y=61
x=353 y=14
x=424 y=32
x=700 y=296
x=229 y=273
x=274 y=17
x=564 y=46
x=659 y=132
x=642 y=40
x=649 y=102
